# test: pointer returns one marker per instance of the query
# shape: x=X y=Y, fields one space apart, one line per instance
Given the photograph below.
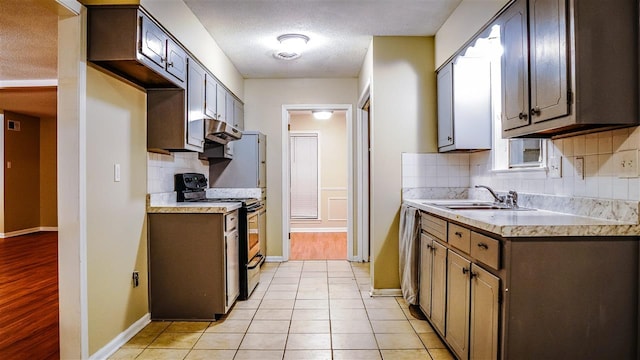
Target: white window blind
x=304 y=175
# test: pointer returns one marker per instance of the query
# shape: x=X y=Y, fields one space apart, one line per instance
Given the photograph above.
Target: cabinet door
x=229 y=101
x=439 y=286
x=238 y=115
x=445 y=105
x=210 y=97
x=176 y=61
x=426 y=256
x=458 y=302
x=262 y=158
x=221 y=100
x=548 y=56
x=485 y=289
x=232 y=260
x=515 y=68
x=195 y=99
x=153 y=43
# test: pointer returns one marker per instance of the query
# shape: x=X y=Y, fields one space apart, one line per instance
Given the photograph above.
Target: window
x=525 y=153
x=304 y=175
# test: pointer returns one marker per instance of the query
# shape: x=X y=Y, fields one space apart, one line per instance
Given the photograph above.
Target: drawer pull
x=483 y=246
x=458 y=234
x=465 y=270
x=472 y=274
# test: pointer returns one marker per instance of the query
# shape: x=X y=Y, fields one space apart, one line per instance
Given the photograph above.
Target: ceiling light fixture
x=291 y=46
x=322 y=114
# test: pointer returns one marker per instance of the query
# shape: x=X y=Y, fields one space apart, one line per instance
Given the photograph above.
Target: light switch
x=116 y=172
x=8 y=164
x=626 y=163
x=555 y=167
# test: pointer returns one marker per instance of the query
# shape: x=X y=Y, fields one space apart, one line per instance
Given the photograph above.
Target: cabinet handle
x=535 y=111
x=458 y=234
x=483 y=246
x=170 y=64
x=472 y=274
x=465 y=270
x=522 y=116
x=449 y=138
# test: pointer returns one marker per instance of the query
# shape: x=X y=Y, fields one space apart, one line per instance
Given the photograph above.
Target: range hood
x=220 y=132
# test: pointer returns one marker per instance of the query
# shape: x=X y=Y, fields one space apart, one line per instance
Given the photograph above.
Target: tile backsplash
x=161 y=169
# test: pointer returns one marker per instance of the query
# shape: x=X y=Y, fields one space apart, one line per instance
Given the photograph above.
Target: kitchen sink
x=476 y=206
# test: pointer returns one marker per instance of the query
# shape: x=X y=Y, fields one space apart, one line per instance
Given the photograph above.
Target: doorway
x=317 y=200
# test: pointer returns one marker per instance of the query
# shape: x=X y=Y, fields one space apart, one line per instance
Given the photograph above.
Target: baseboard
x=274 y=259
x=385 y=292
x=121 y=339
x=27 y=231
x=318 y=230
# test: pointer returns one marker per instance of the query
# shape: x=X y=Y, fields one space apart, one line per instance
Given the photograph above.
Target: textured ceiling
x=340 y=31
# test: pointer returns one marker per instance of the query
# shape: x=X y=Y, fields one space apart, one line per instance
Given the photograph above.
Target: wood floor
x=29 y=297
x=318 y=246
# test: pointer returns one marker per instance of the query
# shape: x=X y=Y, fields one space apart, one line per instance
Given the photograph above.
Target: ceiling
x=340 y=31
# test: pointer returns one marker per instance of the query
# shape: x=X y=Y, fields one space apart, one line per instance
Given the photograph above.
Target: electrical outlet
x=555 y=167
x=579 y=166
x=626 y=164
x=116 y=172
x=135 y=279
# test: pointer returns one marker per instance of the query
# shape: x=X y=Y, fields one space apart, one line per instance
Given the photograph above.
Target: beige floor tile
x=307 y=354
x=392 y=327
x=269 y=326
x=219 y=341
x=229 y=326
x=259 y=354
x=314 y=267
x=432 y=341
x=313 y=274
x=277 y=304
x=314 y=287
x=381 y=303
x=273 y=314
x=402 y=302
x=341 y=274
x=241 y=314
x=343 y=287
x=356 y=355
x=309 y=342
x=366 y=294
x=411 y=314
x=188 y=326
x=399 y=341
x=352 y=294
x=421 y=326
x=126 y=354
x=353 y=342
x=312 y=304
x=279 y=295
x=211 y=355
x=310 y=327
x=168 y=340
x=257 y=295
x=247 y=304
x=263 y=286
x=313 y=281
x=313 y=314
x=387 y=314
x=312 y=295
x=263 y=342
x=163 y=354
x=405 y=354
x=141 y=340
x=283 y=287
x=342 y=280
x=348 y=314
x=286 y=277
x=441 y=354
x=364 y=287
x=351 y=327
x=155 y=327
x=346 y=304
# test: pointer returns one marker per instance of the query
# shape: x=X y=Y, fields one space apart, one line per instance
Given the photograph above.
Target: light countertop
x=538 y=223
x=193 y=207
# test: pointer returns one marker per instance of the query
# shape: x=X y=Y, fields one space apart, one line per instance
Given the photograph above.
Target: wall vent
x=13 y=125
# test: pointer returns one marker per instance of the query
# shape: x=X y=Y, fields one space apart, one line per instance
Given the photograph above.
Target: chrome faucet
x=498 y=198
x=512 y=199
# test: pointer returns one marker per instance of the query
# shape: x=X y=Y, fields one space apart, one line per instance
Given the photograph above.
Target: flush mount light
x=291 y=46
x=322 y=114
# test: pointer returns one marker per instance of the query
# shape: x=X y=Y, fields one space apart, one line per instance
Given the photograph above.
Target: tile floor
x=300 y=310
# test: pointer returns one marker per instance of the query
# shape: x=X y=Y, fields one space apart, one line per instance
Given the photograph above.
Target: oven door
x=253 y=236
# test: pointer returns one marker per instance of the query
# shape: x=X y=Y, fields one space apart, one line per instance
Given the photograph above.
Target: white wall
x=366 y=71
x=161 y=169
x=462 y=24
x=263 y=112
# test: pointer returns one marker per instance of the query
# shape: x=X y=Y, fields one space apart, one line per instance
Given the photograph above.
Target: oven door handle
x=258 y=261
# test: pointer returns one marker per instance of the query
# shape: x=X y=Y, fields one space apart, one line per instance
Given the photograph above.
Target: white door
x=304 y=175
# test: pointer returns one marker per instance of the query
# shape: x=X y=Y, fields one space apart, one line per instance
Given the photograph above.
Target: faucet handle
x=512 y=199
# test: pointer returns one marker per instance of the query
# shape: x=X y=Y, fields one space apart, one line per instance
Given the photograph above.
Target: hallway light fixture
x=291 y=46
x=322 y=114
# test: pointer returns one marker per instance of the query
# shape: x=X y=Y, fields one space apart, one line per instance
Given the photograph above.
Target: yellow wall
x=403 y=119
x=333 y=168
x=48 y=173
x=22 y=180
x=116 y=215
x=2 y=174
x=263 y=112
x=462 y=24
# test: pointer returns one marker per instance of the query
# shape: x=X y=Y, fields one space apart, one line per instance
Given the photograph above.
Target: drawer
x=434 y=226
x=460 y=237
x=231 y=221
x=485 y=250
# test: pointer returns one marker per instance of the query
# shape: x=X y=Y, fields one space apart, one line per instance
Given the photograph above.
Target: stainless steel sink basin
x=476 y=205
